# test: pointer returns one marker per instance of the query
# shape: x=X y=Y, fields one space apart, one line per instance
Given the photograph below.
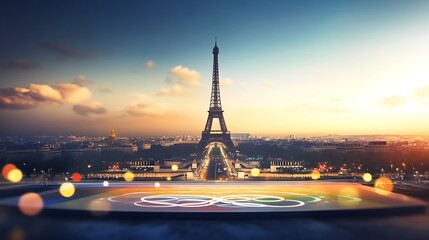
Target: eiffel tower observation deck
x=215 y=111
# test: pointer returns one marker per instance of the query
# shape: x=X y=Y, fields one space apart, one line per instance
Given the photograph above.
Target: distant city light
x=67 y=189
x=157 y=184
x=255 y=172
x=174 y=167
x=30 y=204
x=6 y=169
x=129 y=176
x=15 y=175
x=105 y=183
x=315 y=174
x=383 y=186
x=367 y=177
x=76 y=177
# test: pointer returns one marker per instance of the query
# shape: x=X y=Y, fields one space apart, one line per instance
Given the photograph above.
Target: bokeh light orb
x=30 y=204
x=315 y=174
x=14 y=175
x=105 y=184
x=168 y=178
x=383 y=186
x=348 y=196
x=67 y=189
x=17 y=233
x=367 y=177
x=174 y=167
x=6 y=169
x=76 y=177
x=99 y=207
x=129 y=176
x=157 y=184
x=255 y=172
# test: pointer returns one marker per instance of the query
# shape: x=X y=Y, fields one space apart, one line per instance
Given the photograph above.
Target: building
x=287 y=166
x=240 y=136
x=112 y=136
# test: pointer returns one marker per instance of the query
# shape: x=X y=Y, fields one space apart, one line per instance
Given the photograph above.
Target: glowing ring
x=176 y=201
x=242 y=201
x=315 y=199
x=126 y=196
x=194 y=201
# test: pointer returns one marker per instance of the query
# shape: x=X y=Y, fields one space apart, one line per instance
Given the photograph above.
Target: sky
x=144 y=68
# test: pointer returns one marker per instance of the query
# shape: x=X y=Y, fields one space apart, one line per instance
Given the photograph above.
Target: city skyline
x=144 y=68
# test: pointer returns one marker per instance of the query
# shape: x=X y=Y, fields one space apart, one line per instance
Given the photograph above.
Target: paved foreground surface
x=181 y=198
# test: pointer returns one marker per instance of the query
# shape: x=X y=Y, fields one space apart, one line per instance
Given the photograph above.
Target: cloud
x=149 y=64
x=243 y=85
x=422 y=92
x=105 y=90
x=225 y=82
x=72 y=93
x=16 y=98
x=174 y=90
x=44 y=93
x=81 y=81
x=61 y=93
x=67 y=51
x=186 y=76
x=183 y=80
x=21 y=64
x=143 y=109
x=393 y=101
x=86 y=109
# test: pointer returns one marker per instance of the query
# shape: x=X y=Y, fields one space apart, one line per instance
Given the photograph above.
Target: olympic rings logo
x=198 y=201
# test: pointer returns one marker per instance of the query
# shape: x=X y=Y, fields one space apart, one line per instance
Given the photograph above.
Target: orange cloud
x=186 y=76
x=87 y=108
x=61 y=93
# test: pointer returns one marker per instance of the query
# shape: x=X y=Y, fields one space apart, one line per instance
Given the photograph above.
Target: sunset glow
x=344 y=68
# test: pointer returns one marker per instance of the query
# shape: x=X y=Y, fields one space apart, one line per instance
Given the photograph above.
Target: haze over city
x=285 y=67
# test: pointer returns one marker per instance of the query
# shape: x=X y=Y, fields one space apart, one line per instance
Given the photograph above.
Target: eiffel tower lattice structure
x=215 y=111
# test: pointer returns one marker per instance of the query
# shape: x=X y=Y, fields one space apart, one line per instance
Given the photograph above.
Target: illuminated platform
x=232 y=199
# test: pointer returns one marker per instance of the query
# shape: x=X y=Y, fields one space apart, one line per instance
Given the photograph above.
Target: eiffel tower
x=215 y=111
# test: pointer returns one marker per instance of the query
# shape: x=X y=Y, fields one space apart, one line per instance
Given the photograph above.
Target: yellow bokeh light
x=30 y=204
x=67 y=189
x=129 y=176
x=315 y=174
x=174 y=167
x=168 y=178
x=255 y=172
x=367 y=177
x=15 y=175
x=348 y=196
x=383 y=186
x=157 y=184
